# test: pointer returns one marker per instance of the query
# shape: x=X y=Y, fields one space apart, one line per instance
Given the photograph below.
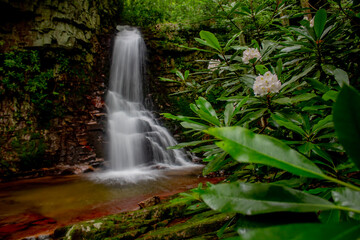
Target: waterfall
x=136 y=139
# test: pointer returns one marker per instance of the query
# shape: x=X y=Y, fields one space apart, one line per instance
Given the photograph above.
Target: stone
x=149 y=202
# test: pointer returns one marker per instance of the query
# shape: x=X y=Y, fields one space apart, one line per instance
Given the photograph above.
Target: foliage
x=24 y=76
x=150 y=12
x=40 y=90
x=31 y=151
x=288 y=146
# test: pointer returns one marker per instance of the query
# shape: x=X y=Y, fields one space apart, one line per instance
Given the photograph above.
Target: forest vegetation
x=277 y=109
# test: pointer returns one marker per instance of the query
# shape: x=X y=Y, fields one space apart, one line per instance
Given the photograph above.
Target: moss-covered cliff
x=54 y=58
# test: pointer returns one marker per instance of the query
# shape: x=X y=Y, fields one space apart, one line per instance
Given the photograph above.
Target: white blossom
x=267 y=83
x=310 y=21
x=213 y=64
x=249 y=54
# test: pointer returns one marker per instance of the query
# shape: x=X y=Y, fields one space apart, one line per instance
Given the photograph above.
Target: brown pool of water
x=39 y=206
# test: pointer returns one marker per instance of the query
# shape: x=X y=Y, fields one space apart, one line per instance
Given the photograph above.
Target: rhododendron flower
x=249 y=54
x=213 y=64
x=267 y=83
x=311 y=21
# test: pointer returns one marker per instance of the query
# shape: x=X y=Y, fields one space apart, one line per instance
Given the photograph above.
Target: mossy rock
x=200 y=224
x=127 y=225
x=168 y=220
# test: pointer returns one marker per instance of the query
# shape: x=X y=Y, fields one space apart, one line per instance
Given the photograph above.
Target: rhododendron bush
x=288 y=116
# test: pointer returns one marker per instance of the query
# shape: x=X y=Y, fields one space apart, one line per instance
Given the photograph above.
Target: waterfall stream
x=137 y=143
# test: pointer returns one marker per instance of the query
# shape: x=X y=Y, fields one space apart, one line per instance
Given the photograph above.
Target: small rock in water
x=149 y=202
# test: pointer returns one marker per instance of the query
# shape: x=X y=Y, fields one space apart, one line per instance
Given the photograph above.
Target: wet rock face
x=62 y=23
x=79 y=31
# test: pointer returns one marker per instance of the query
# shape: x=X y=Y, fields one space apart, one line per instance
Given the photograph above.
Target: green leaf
x=228 y=114
x=303 y=97
x=186 y=74
x=179 y=118
x=346 y=115
x=283 y=101
x=330 y=95
x=216 y=164
x=288 y=124
x=210 y=40
x=232 y=39
x=180 y=75
x=195 y=126
x=315 y=107
x=341 y=77
x=246 y=146
x=240 y=104
x=296 y=99
x=346 y=197
x=205 y=111
x=279 y=68
x=317 y=85
x=330 y=216
x=322 y=124
x=189 y=144
x=304 y=231
x=319 y=22
x=261 y=69
x=306 y=70
x=168 y=80
x=252 y=116
x=328 y=69
x=260 y=198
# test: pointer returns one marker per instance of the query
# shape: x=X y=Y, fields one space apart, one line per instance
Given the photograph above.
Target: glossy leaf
x=251 y=116
x=261 y=69
x=319 y=22
x=181 y=118
x=318 y=85
x=330 y=95
x=228 y=114
x=189 y=144
x=168 y=80
x=240 y=104
x=195 y=126
x=205 y=111
x=210 y=40
x=260 y=198
x=304 y=231
x=232 y=39
x=347 y=198
x=341 y=77
x=306 y=70
x=346 y=116
x=216 y=164
x=246 y=146
x=295 y=99
x=279 y=68
x=322 y=124
x=288 y=124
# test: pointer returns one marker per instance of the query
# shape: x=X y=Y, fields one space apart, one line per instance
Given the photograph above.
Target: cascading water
x=136 y=140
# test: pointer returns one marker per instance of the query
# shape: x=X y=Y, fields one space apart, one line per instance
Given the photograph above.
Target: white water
x=138 y=144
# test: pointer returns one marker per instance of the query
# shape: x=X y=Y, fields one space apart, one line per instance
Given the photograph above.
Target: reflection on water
x=65 y=199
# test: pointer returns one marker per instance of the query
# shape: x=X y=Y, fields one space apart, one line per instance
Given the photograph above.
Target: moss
x=164 y=221
x=198 y=225
x=124 y=225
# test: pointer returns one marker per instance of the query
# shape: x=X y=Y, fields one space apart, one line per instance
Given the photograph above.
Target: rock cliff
x=54 y=61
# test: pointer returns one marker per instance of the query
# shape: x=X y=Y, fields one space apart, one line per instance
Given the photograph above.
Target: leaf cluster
x=294 y=150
